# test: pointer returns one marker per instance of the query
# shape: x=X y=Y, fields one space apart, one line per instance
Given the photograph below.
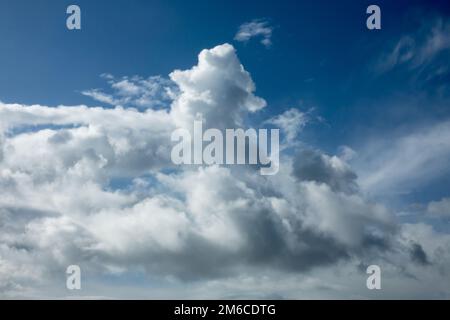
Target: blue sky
x=376 y=104
x=321 y=51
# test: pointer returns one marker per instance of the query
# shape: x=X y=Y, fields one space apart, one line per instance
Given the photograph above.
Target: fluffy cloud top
x=218 y=90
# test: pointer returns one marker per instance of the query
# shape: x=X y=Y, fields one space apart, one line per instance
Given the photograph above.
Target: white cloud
x=424 y=53
x=218 y=89
x=291 y=121
x=1 y=146
x=396 y=164
x=137 y=92
x=439 y=208
x=312 y=165
x=255 y=29
x=224 y=227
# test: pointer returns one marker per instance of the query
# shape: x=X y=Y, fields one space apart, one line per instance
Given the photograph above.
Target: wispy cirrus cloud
x=393 y=165
x=413 y=154
x=415 y=50
x=423 y=54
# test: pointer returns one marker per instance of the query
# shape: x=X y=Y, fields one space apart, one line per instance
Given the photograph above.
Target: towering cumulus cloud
x=218 y=89
x=96 y=187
